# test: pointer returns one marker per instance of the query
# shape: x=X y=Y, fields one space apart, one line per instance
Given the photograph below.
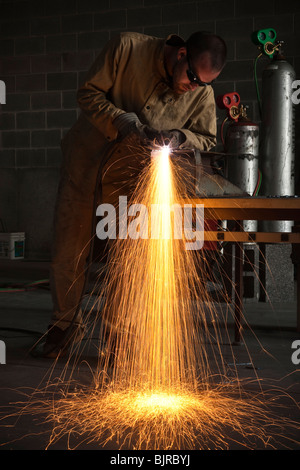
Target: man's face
x=201 y=72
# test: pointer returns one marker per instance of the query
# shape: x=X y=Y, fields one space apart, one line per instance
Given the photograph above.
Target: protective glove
x=173 y=138
x=128 y=123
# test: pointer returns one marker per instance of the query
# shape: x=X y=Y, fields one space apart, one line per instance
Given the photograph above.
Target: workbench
x=238 y=209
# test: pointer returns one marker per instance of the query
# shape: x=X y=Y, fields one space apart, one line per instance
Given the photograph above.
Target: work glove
x=174 y=138
x=128 y=123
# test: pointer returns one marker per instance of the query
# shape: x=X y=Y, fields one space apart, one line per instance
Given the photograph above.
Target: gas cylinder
x=242 y=146
x=277 y=153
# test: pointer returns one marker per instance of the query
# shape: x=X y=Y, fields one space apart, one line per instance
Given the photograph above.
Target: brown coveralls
x=128 y=76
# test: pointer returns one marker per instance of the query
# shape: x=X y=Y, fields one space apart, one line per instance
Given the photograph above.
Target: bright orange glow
x=163 y=420
x=149 y=317
x=161 y=380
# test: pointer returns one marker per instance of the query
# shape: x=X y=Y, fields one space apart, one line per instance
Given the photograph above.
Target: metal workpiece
x=277 y=151
x=200 y=175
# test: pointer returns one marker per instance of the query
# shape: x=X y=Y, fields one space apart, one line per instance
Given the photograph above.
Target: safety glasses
x=193 y=77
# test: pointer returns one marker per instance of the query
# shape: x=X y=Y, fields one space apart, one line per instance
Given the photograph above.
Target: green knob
x=266 y=39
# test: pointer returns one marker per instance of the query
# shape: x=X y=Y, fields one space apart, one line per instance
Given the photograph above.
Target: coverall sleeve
x=93 y=95
x=201 y=129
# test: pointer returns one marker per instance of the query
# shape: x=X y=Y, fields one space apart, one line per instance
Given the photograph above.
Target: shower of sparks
x=155 y=384
x=127 y=419
x=150 y=329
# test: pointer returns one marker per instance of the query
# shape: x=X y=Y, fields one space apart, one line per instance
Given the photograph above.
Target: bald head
x=207 y=48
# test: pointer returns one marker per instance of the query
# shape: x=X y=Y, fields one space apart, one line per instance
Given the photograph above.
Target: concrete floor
x=265 y=357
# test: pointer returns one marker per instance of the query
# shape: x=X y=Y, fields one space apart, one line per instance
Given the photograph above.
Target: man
x=139 y=89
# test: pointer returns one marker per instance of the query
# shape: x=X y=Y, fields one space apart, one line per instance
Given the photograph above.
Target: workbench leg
x=227 y=274
x=298 y=296
x=296 y=261
x=238 y=293
x=262 y=272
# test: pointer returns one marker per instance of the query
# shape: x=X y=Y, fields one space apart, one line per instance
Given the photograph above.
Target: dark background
x=46 y=48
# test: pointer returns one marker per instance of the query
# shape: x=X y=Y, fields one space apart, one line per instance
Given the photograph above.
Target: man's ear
x=181 y=52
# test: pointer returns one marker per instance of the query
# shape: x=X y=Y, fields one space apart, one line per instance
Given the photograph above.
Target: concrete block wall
x=47 y=46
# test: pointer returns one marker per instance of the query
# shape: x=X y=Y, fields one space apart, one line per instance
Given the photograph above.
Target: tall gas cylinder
x=242 y=146
x=277 y=153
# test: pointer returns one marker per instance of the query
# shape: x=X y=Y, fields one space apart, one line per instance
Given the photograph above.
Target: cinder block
x=7 y=121
x=75 y=23
x=46 y=63
x=144 y=16
x=30 y=82
x=8 y=158
x=51 y=100
x=15 y=139
x=31 y=120
x=209 y=10
x=185 y=30
x=54 y=158
x=221 y=87
x=62 y=81
x=15 y=65
x=30 y=45
x=254 y=8
x=57 y=7
x=61 y=43
x=14 y=28
x=179 y=14
x=77 y=61
x=11 y=10
x=237 y=70
x=115 y=19
x=69 y=100
x=95 y=40
x=30 y=158
x=45 y=26
x=7 y=47
x=282 y=24
x=94 y=5
x=61 y=118
x=161 y=31
x=8 y=200
x=17 y=102
x=280 y=8
x=149 y=3
x=45 y=138
x=234 y=28
x=37 y=189
x=246 y=90
x=10 y=84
